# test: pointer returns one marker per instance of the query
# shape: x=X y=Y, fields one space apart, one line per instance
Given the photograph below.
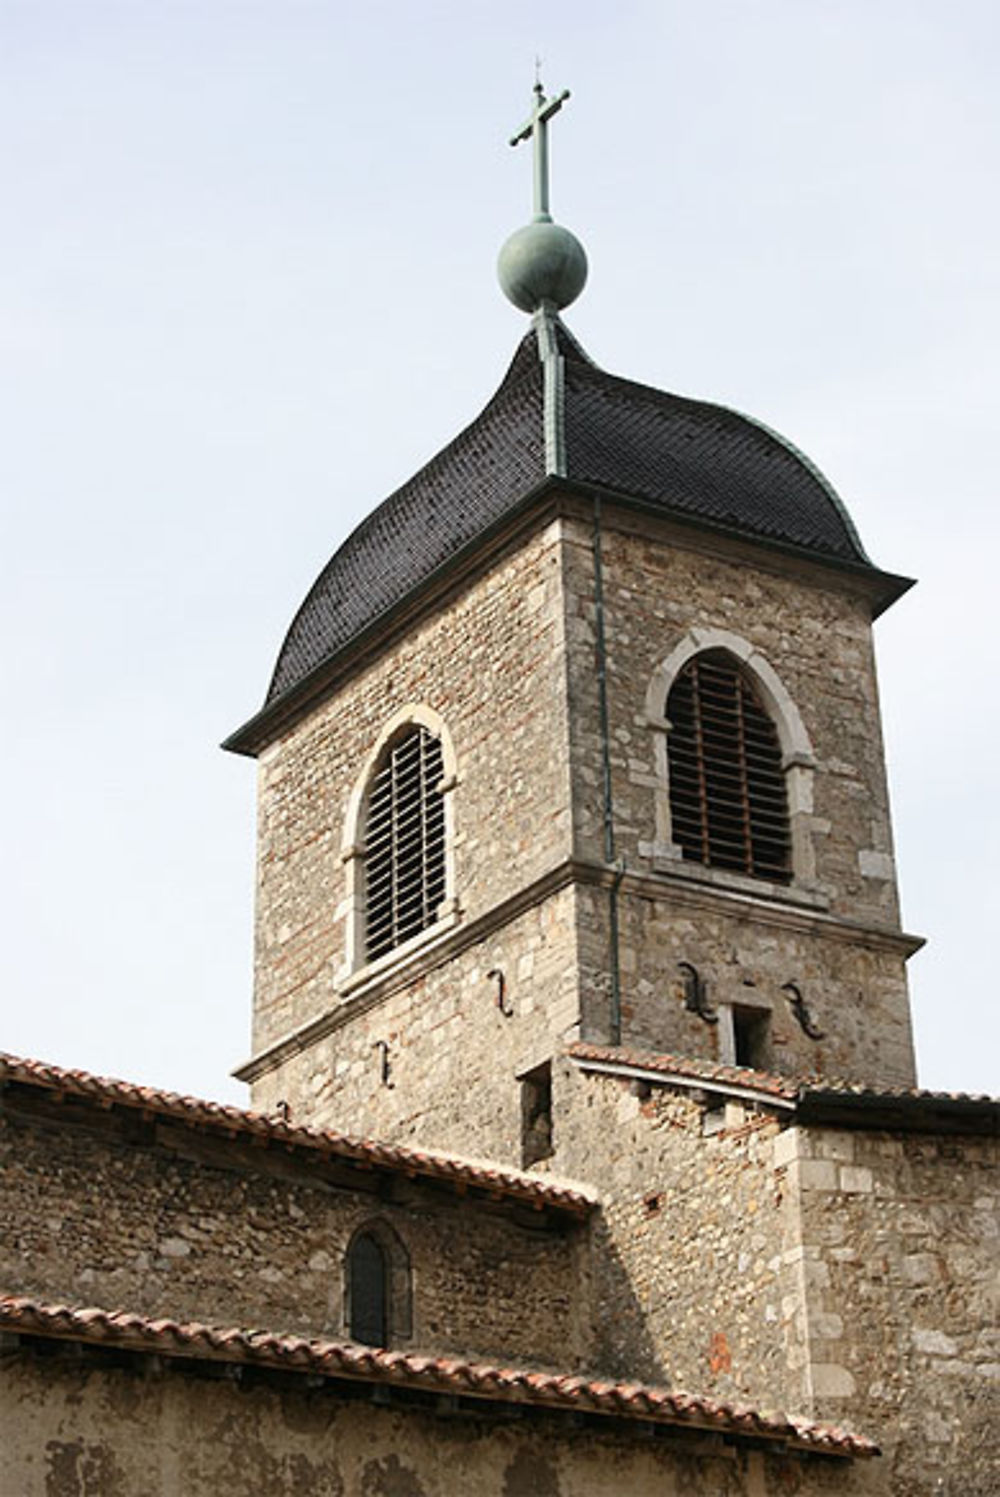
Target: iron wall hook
x=495 y=975
x=385 y=1069
x=800 y=1009
x=696 y=994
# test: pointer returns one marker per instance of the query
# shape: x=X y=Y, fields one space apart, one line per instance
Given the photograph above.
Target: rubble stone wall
x=900 y=1236
x=179 y=1224
x=454 y=1056
x=509 y=662
x=746 y=955
x=848 y=1275
x=658 y=585
x=691 y=1282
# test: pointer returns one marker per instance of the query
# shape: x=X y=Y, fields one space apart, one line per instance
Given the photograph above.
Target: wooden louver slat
x=728 y=802
x=404 y=843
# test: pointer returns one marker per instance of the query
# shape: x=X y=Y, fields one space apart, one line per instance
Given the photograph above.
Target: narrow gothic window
x=368 y=1281
x=728 y=804
x=404 y=842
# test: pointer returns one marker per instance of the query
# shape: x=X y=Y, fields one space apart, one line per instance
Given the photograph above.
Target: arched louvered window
x=404 y=842
x=728 y=804
x=368 y=1289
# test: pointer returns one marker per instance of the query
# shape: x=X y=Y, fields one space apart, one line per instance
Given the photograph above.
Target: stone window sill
x=667 y=863
x=400 y=958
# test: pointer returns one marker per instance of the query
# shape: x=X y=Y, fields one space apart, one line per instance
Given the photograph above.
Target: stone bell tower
x=575 y=738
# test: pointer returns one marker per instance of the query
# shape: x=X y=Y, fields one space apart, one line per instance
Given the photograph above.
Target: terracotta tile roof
x=462 y=1175
x=813 y=1098
x=707 y=1071
x=408 y=1370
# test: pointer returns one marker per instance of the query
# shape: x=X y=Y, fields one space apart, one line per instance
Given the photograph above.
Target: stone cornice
x=664 y=886
x=425 y=959
x=550 y=497
x=779 y=907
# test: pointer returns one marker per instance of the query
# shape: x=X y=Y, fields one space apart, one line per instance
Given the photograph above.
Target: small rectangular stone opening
x=536 y=1114
x=751 y=1037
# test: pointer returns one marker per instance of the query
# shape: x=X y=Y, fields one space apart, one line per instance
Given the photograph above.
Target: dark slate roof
x=692 y=460
x=460 y=493
x=700 y=460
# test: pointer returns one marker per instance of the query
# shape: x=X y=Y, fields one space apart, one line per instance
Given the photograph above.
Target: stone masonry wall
x=690 y=1280
x=454 y=1057
x=848 y=1275
x=816 y=634
x=746 y=954
x=659 y=584
x=78 y=1430
x=496 y=661
x=193 y=1227
x=899 y=1238
x=490 y=661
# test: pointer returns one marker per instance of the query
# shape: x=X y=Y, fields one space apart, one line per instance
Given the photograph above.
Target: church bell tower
x=574 y=747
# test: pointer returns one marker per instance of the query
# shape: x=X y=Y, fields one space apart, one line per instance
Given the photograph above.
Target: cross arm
x=541 y=116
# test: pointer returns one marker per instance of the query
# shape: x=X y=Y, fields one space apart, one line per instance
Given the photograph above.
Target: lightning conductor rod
x=535 y=129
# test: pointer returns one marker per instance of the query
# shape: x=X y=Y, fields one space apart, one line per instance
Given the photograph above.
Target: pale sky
x=247 y=287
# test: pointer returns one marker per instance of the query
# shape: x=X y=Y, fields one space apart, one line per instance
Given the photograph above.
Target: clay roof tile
x=551 y=1389
x=512 y=1185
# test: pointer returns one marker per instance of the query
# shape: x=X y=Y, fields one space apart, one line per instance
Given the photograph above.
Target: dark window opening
x=368 y=1289
x=536 y=1115
x=404 y=842
x=750 y=1036
x=728 y=803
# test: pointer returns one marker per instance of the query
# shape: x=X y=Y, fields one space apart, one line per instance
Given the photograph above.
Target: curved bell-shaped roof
x=689 y=459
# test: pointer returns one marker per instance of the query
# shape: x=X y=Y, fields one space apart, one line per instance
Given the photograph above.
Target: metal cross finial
x=535 y=128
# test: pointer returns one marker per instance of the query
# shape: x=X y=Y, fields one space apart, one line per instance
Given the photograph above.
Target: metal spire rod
x=535 y=128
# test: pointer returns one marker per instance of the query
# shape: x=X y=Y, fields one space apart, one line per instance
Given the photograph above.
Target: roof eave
x=261 y=729
x=472 y=1384
x=882 y=588
x=812 y=1103
x=925 y=1112
x=474 y=1180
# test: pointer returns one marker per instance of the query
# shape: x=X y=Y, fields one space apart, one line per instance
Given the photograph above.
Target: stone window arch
x=378 y=1308
x=794 y=760
x=399 y=841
